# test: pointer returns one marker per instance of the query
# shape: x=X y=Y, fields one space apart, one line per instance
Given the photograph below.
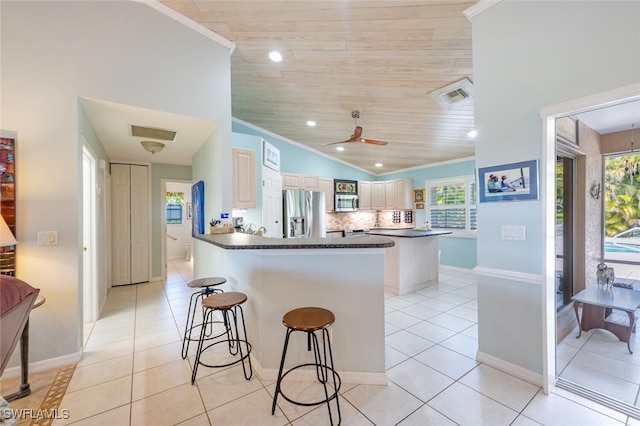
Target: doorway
x=89 y=238
x=583 y=352
x=176 y=221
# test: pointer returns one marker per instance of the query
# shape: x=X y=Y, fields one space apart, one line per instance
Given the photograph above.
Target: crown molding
x=478 y=8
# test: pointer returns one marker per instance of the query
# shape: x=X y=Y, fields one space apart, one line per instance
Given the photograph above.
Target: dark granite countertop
x=406 y=233
x=239 y=241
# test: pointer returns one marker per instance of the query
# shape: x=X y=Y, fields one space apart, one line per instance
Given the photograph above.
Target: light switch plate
x=47 y=238
x=514 y=232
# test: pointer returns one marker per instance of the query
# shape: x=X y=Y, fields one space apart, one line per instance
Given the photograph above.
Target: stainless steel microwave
x=346 y=203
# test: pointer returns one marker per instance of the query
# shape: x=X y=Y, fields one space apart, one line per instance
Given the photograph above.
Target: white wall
x=52 y=53
x=528 y=55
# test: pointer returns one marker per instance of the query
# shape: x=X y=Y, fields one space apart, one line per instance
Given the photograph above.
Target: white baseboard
x=455 y=268
x=509 y=368
x=44 y=365
x=351 y=377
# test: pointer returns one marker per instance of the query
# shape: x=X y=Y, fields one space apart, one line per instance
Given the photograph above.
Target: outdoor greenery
x=621 y=193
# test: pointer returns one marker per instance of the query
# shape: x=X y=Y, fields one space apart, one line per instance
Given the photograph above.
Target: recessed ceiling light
x=378 y=164
x=340 y=148
x=275 y=56
x=472 y=133
x=311 y=123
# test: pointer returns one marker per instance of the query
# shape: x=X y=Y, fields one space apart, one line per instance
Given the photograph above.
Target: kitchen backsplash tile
x=367 y=219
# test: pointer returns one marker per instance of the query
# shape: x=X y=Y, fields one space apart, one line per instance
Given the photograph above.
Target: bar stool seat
x=206 y=288
x=229 y=304
x=310 y=320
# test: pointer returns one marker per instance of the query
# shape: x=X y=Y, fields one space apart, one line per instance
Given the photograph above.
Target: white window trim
x=467 y=179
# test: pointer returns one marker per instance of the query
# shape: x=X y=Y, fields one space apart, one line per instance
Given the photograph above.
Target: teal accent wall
x=295 y=159
x=528 y=55
x=457 y=252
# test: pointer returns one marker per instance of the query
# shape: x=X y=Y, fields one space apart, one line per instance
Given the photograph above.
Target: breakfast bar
x=344 y=275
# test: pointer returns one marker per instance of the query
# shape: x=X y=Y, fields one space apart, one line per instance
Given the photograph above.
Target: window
x=175 y=207
x=451 y=204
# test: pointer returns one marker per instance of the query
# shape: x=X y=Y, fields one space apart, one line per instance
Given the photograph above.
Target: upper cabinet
x=378 y=196
x=364 y=195
x=298 y=181
x=386 y=195
x=326 y=186
x=244 y=178
x=403 y=192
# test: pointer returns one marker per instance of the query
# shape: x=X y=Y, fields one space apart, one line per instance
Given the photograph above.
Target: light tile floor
x=132 y=373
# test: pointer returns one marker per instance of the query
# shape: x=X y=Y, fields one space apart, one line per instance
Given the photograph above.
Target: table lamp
x=6 y=236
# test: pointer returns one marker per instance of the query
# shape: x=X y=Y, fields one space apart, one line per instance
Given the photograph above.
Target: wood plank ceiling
x=382 y=58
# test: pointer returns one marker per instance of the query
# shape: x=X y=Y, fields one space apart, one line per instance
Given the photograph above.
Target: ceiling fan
x=357 y=134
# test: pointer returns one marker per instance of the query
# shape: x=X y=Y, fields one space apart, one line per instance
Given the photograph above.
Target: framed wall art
x=508 y=182
x=271 y=156
x=418 y=195
x=197 y=200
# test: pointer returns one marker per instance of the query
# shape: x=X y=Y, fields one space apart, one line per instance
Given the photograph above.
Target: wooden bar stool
x=229 y=304
x=310 y=320
x=205 y=288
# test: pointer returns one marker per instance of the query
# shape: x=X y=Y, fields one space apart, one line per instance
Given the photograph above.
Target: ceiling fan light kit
x=152 y=146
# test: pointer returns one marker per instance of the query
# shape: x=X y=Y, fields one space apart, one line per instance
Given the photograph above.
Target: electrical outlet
x=47 y=238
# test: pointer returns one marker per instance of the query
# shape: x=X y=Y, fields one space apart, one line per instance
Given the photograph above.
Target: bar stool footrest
x=227 y=341
x=323 y=401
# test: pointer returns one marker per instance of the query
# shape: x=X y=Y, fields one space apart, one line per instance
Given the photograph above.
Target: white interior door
x=120 y=224
x=139 y=224
x=89 y=240
x=272 y=202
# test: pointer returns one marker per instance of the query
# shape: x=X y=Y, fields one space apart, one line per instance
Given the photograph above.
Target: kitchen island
x=344 y=275
x=412 y=263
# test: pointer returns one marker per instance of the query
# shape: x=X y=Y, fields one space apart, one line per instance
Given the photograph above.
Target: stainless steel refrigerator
x=303 y=214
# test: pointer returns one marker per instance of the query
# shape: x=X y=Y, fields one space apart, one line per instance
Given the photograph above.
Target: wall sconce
x=595 y=191
x=152 y=146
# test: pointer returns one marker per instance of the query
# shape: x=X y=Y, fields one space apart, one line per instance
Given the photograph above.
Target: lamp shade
x=6 y=236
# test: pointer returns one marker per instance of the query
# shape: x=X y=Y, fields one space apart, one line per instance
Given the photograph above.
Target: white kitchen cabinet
x=398 y=194
x=326 y=186
x=378 y=195
x=130 y=224
x=364 y=195
x=299 y=181
x=390 y=195
x=244 y=178
x=403 y=194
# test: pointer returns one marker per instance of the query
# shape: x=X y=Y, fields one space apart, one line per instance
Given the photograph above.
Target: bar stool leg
x=191 y=314
x=239 y=341
x=208 y=314
x=327 y=343
x=279 y=381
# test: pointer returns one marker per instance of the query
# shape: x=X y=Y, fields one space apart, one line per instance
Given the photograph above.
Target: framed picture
x=197 y=198
x=418 y=195
x=509 y=182
x=189 y=211
x=419 y=206
x=271 y=156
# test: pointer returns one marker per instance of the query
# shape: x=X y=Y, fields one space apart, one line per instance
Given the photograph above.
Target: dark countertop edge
x=407 y=233
x=237 y=241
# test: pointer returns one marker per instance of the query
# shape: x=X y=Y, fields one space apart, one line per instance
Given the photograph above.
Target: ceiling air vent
x=453 y=95
x=153 y=133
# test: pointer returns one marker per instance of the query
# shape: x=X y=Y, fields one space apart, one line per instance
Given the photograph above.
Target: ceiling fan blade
x=374 y=142
x=351 y=140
